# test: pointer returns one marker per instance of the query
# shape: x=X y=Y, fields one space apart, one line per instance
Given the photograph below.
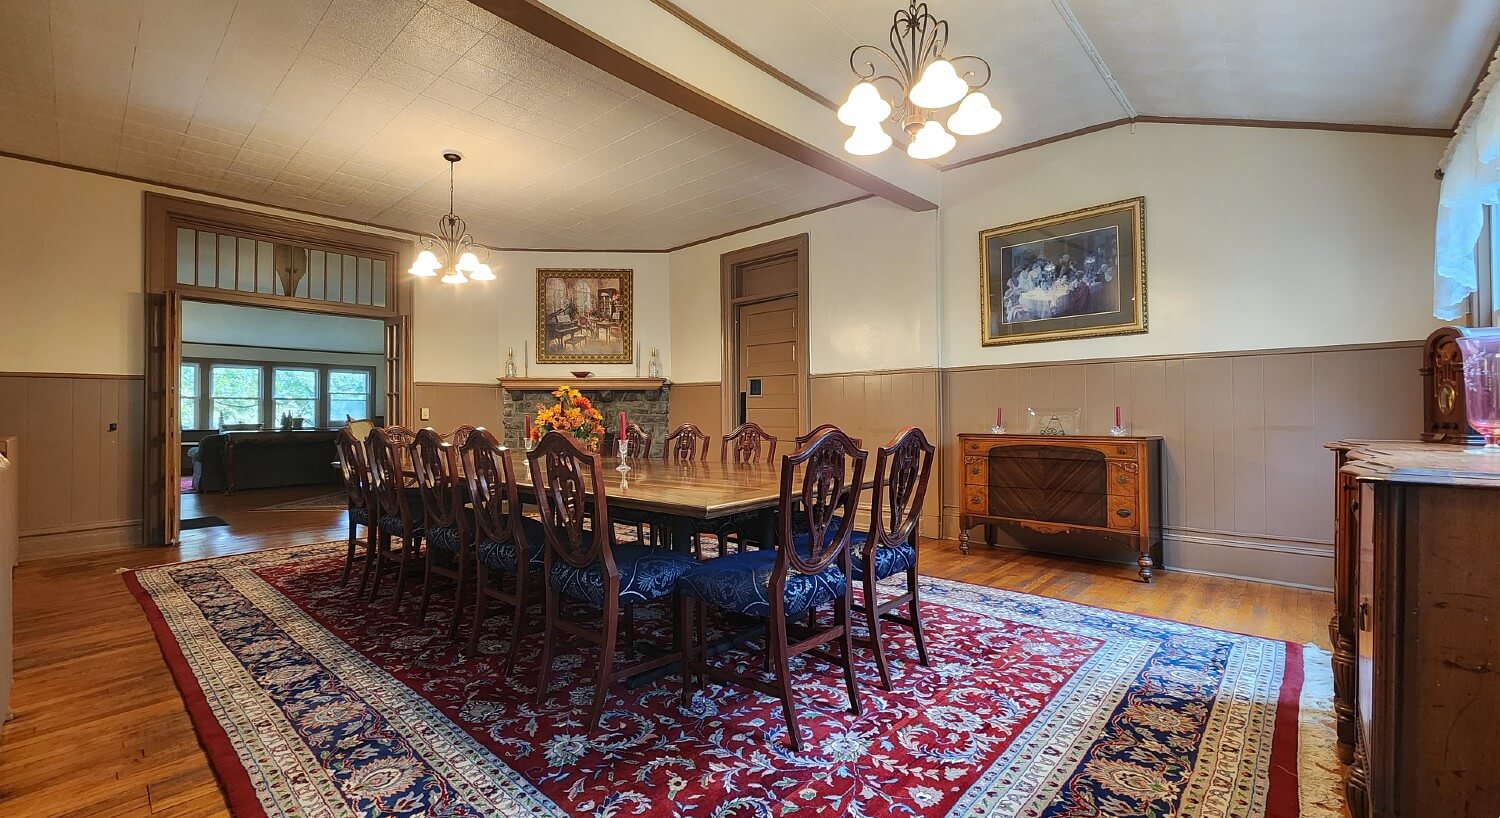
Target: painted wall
x=463 y=333
x=204 y=323
x=1255 y=238
x=871 y=301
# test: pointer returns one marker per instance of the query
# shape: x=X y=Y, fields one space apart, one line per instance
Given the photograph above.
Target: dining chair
x=459 y=434
x=359 y=426
x=784 y=584
x=744 y=445
x=502 y=533
x=820 y=429
x=355 y=473
x=685 y=443
x=583 y=563
x=639 y=439
x=398 y=511
x=902 y=469
x=445 y=525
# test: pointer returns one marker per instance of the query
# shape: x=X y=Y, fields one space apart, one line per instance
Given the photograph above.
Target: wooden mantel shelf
x=585 y=384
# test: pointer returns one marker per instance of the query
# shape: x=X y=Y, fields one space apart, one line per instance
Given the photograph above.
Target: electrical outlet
x=426 y=415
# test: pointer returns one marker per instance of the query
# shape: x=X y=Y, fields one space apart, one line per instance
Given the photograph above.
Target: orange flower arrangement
x=573 y=413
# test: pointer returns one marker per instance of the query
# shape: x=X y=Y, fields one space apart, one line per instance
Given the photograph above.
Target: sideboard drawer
x=1124 y=478
x=975 y=473
x=1123 y=513
x=976 y=500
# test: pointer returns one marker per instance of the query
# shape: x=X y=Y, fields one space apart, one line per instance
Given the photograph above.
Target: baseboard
x=67 y=542
x=1257 y=558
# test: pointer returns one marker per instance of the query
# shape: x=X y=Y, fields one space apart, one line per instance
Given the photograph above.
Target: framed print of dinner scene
x=1074 y=275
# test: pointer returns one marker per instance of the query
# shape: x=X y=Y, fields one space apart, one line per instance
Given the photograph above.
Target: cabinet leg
x=963 y=536
x=990 y=537
x=1145 y=563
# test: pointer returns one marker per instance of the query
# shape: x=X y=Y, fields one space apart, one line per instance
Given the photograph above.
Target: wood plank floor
x=100 y=730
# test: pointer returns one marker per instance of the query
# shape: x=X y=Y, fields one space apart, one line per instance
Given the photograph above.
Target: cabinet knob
x=1122 y=479
x=1123 y=512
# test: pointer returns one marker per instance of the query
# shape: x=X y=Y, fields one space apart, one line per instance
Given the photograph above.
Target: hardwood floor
x=100 y=729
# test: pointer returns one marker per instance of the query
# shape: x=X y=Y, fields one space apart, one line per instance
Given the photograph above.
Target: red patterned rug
x=310 y=701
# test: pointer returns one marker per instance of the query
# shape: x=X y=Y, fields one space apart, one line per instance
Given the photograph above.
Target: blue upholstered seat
x=857 y=538
x=360 y=515
x=391 y=523
x=888 y=561
x=741 y=583
x=499 y=556
x=645 y=574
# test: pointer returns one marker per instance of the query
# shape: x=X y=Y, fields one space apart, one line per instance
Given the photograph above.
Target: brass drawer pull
x=1122 y=479
x=1123 y=512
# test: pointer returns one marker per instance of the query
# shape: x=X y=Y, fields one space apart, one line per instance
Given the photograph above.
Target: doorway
x=765 y=337
x=214 y=258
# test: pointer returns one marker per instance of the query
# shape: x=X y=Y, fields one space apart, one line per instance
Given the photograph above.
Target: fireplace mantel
x=588 y=384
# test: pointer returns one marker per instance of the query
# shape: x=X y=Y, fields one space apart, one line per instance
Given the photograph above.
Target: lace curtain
x=1471 y=180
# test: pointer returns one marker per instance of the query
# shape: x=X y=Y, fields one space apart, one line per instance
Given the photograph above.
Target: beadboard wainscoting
x=82 y=486
x=700 y=404
x=1247 y=481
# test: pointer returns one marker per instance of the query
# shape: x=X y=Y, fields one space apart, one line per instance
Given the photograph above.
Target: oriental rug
x=310 y=701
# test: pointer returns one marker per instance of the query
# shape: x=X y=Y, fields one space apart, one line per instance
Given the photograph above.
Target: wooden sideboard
x=1064 y=485
x=1416 y=629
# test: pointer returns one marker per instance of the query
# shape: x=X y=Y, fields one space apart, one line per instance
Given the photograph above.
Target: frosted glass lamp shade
x=455 y=277
x=864 y=106
x=467 y=263
x=974 y=116
x=425 y=265
x=931 y=141
x=939 y=87
x=868 y=140
x=482 y=273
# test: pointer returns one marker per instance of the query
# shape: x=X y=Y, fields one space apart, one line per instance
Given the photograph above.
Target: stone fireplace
x=644 y=401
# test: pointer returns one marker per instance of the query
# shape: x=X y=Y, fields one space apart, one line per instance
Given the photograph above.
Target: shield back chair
x=783 y=585
x=355 y=473
x=459 y=434
x=745 y=444
x=398 y=511
x=507 y=543
x=902 y=469
x=686 y=443
x=446 y=527
x=583 y=564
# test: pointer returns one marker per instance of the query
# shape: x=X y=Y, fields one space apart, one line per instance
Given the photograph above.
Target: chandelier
x=923 y=84
x=451 y=250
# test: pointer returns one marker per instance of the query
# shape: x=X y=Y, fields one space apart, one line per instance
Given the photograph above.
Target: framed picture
x=584 y=316
x=1073 y=275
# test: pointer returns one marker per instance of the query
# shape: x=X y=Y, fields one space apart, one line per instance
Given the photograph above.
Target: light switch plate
x=425 y=414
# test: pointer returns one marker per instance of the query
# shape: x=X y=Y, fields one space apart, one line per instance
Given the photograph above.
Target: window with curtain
x=348 y=394
x=235 y=395
x=294 y=392
x=1470 y=190
x=187 y=395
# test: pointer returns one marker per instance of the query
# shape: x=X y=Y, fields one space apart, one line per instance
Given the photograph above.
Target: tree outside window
x=294 y=392
x=236 y=395
x=348 y=395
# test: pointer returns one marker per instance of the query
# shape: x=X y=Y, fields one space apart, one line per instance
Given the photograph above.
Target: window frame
x=196 y=397
x=267 y=414
x=327 y=407
x=260 y=384
x=319 y=389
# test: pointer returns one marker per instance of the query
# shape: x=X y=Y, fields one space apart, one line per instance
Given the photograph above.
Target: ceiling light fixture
x=451 y=250
x=924 y=83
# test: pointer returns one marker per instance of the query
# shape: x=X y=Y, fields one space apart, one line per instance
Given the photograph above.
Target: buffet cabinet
x=1064 y=485
x=1416 y=629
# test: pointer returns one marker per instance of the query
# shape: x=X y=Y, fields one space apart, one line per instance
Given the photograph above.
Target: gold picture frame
x=585 y=316
x=1080 y=274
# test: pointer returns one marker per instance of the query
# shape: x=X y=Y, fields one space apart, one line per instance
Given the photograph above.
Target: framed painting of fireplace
x=1074 y=275
x=584 y=316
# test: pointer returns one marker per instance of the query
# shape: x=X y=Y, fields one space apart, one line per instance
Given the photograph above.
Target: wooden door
x=769 y=381
x=163 y=465
x=397 y=378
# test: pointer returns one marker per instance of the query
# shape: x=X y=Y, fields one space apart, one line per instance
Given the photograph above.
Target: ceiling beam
x=644 y=45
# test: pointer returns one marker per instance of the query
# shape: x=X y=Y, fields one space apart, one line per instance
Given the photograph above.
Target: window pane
x=306 y=409
x=187 y=381
x=340 y=410
x=378 y=285
x=347 y=382
x=187 y=413
x=187 y=256
x=348 y=395
x=236 y=381
x=235 y=411
x=294 y=383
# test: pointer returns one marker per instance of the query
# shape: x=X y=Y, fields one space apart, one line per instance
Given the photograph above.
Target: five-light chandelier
x=451 y=251
x=925 y=84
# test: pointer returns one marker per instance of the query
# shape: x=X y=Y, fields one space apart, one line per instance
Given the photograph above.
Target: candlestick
x=525 y=358
x=622 y=425
x=1118 y=430
x=999 y=427
x=1117 y=414
x=637 y=359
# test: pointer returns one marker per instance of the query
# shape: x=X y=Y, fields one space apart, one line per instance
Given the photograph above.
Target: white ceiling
x=342 y=107
x=1384 y=62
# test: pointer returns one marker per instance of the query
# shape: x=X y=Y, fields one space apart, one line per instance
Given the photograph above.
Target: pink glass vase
x=1482 y=387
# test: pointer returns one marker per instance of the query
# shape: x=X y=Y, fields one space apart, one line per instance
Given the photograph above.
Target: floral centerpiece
x=573 y=414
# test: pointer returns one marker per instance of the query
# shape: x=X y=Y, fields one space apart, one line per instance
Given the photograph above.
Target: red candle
x=622 y=425
x=999 y=416
x=528 y=427
x=1117 y=415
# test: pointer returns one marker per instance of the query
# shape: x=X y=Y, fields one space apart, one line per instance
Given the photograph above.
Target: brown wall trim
x=771 y=222
x=694 y=383
x=99 y=376
x=1394 y=130
x=462 y=384
x=911 y=370
x=543 y=23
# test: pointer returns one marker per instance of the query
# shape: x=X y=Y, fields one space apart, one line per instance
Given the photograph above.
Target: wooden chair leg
x=408 y=545
x=459 y=594
x=842 y=617
x=548 y=629
x=687 y=647
x=872 y=622
x=916 y=617
x=349 y=557
x=382 y=555
x=481 y=603
x=629 y=634
x=426 y=586
x=517 y=618
x=606 y=663
x=776 y=644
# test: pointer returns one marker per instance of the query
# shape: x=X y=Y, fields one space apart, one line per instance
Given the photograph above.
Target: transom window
x=253 y=395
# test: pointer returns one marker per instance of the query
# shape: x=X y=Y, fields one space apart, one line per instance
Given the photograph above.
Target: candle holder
x=997 y=430
x=528 y=443
x=1119 y=430
x=623 y=447
x=1481 y=360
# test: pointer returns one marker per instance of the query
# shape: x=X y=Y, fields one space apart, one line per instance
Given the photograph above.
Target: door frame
x=163 y=336
x=730 y=266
